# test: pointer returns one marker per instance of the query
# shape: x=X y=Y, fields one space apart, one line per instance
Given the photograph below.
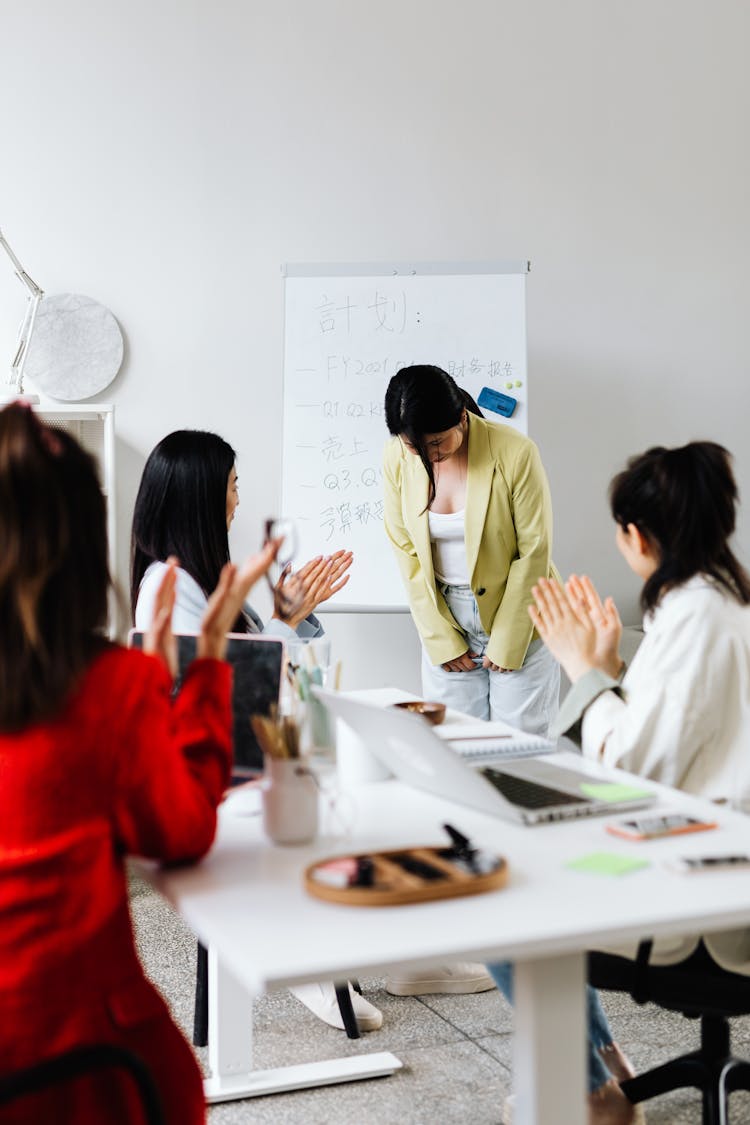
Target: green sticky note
x=613 y=791
x=607 y=863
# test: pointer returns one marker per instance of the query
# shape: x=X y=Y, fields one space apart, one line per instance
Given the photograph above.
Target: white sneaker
x=322 y=1002
x=464 y=976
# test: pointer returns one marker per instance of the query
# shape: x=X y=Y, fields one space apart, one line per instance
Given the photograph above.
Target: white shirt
x=190 y=601
x=448 y=540
x=685 y=718
x=684 y=721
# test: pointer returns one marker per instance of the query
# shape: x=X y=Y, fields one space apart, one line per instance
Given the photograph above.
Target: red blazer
x=120 y=770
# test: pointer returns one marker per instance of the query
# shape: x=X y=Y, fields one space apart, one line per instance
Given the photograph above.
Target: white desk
x=247 y=902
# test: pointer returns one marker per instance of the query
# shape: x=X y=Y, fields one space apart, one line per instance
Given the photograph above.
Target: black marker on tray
x=365 y=872
x=476 y=861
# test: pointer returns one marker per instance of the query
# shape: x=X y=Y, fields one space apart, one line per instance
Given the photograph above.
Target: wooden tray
x=394 y=886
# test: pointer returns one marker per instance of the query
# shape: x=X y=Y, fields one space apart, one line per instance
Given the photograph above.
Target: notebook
x=525 y=791
x=257 y=662
x=480 y=741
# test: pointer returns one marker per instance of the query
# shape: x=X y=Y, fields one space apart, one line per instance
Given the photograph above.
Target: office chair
x=699 y=989
x=200 y=1010
x=80 y=1061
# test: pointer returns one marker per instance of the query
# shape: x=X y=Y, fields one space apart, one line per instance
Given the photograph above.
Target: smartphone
x=652 y=827
x=708 y=863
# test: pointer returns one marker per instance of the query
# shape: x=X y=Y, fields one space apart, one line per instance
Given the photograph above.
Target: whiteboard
x=347 y=330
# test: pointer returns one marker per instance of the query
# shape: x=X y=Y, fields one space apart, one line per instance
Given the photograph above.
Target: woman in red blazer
x=96 y=761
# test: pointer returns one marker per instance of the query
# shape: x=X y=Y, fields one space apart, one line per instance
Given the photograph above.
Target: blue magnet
x=497 y=401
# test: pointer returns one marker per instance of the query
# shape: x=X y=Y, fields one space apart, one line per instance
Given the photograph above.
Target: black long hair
x=54 y=576
x=424 y=399
x=181 y=508
x=684 y=501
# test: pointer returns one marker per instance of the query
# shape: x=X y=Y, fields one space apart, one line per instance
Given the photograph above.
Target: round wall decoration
x=76 y=348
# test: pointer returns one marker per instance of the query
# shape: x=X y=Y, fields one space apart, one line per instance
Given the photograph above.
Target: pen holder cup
x=290 y=802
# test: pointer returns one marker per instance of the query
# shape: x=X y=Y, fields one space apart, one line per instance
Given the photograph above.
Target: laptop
x=257 y=662
x=524 y=790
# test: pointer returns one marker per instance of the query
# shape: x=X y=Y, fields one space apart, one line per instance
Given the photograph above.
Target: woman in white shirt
x=681 y=713
x=186 y=502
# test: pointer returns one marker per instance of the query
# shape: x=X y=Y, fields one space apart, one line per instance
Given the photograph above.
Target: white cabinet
x=94 y=427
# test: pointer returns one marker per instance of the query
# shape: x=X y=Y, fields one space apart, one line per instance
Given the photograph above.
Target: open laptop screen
x=257 y=663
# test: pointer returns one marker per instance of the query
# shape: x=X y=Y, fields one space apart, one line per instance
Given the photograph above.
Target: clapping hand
x=159 y=639
x=221 y=610
x=565 y=627
x=605 y=619
x=228 y=599
x=296 y=595
x=336 y=577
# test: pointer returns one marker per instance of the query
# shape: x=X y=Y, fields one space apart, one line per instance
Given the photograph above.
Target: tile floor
x=456 y=1050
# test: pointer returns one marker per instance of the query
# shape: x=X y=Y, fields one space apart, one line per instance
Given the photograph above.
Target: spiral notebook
x=479 y=741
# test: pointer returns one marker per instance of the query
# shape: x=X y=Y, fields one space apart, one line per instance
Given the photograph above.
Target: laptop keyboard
x=529 y=794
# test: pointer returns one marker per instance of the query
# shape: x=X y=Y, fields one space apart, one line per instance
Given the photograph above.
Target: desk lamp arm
x=27 y=327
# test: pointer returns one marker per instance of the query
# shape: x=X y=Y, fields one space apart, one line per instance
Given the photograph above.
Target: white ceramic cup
x=290 y=802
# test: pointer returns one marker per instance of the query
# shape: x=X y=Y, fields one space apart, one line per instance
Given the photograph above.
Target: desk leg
x=550 y=1041
x=230 y=1050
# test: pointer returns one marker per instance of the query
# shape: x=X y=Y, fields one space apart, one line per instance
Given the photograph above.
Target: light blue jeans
x=598 y=1028
x=527 y=698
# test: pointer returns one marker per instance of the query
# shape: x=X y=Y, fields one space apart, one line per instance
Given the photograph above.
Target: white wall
x=166 y=158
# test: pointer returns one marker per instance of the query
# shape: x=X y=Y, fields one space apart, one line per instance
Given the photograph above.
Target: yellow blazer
x=508 y=532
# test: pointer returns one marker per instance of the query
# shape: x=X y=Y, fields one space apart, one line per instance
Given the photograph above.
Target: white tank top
x=449 y=547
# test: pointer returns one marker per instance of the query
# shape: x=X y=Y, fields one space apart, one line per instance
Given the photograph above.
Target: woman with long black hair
x=186 y=502
x=468 y=513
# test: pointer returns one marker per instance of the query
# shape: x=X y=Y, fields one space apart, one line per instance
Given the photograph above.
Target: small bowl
x=434 y=713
